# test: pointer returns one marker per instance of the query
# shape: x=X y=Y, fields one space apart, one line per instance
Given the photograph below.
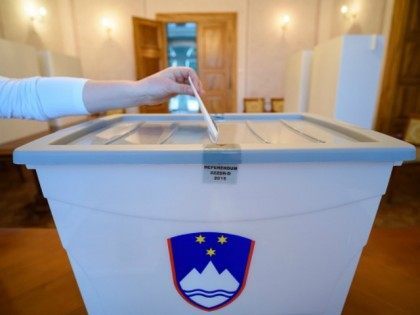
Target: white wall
x=16 y=26
x=74 y=27
x=66 y=15
x=106 y=56
x=372 y=17
x=368 y=20
x=269 y=47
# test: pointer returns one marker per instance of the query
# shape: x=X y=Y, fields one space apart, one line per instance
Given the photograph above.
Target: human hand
x=99 y=96
x=167 y=83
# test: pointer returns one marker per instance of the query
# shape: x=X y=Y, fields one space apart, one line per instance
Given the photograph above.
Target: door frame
x=390 y=105
x=196 y=18
x=149 y=51
x=157 y=51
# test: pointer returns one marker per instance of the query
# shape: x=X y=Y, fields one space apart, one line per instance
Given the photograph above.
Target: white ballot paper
x=211 y=125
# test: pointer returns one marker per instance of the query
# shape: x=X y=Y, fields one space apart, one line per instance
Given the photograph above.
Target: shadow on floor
x=20 y=202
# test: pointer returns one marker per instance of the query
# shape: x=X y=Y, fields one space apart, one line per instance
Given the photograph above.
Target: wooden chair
x=412 y=135
x=277 y=105
x=412 y=130
x=254 y=105
x=115 y=112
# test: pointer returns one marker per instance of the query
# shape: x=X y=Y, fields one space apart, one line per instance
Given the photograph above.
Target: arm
x=100 y=96
x=48 y=98
x=41 y=98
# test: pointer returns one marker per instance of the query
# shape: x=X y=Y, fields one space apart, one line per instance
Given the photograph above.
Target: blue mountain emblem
x=209 y=269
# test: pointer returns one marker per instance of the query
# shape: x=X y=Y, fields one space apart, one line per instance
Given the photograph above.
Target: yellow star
x=222 y=239
x=211 y=252
x=200 y=239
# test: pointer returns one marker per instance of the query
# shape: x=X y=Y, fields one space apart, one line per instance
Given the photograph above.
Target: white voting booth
x=298 y=74
x=271 y=220
x=345 y=78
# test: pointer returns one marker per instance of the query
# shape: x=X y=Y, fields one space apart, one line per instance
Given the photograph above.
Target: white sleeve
x=41 y=98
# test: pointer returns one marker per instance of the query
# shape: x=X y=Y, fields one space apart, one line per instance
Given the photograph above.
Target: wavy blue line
x=212 y=296
x=209 y=294
x=220 y=290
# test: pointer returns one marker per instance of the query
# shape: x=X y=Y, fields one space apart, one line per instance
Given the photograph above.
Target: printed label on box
x=219 y=173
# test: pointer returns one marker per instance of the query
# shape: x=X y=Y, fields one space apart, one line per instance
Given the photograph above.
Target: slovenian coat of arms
x=209 y=269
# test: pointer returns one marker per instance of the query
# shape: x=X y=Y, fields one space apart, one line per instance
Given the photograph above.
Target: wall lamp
x=349 y=12
x=35 y=13
x=108 y=25
x=285 y=21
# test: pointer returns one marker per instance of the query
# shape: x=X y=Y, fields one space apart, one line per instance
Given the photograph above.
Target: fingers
x=181 y=75
x=181 y=88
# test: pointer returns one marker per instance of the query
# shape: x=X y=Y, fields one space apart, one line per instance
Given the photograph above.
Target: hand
x=167 y=83
x=99 y=96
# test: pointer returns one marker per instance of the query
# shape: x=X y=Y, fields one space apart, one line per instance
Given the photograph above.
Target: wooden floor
x=35 y=275
x=36 y=278
x=387 y=280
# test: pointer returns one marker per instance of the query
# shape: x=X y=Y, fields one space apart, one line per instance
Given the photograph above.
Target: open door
x=150 y=53
x=216 y=54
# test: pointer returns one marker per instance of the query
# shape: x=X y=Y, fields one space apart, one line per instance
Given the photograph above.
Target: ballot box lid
x=183 y=139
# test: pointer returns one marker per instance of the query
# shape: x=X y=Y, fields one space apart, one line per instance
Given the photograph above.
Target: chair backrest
x=412 y=135
x=277 y=105
x=412 y=130
x=60 y=65
x=254 y=105
x=18 y=61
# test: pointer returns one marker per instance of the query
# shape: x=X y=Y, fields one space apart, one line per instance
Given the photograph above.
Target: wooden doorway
x=400 y=94
x=216 y=55
x=150 y=54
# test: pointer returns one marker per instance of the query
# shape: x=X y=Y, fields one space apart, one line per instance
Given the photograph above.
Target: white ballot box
x=156 y=219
